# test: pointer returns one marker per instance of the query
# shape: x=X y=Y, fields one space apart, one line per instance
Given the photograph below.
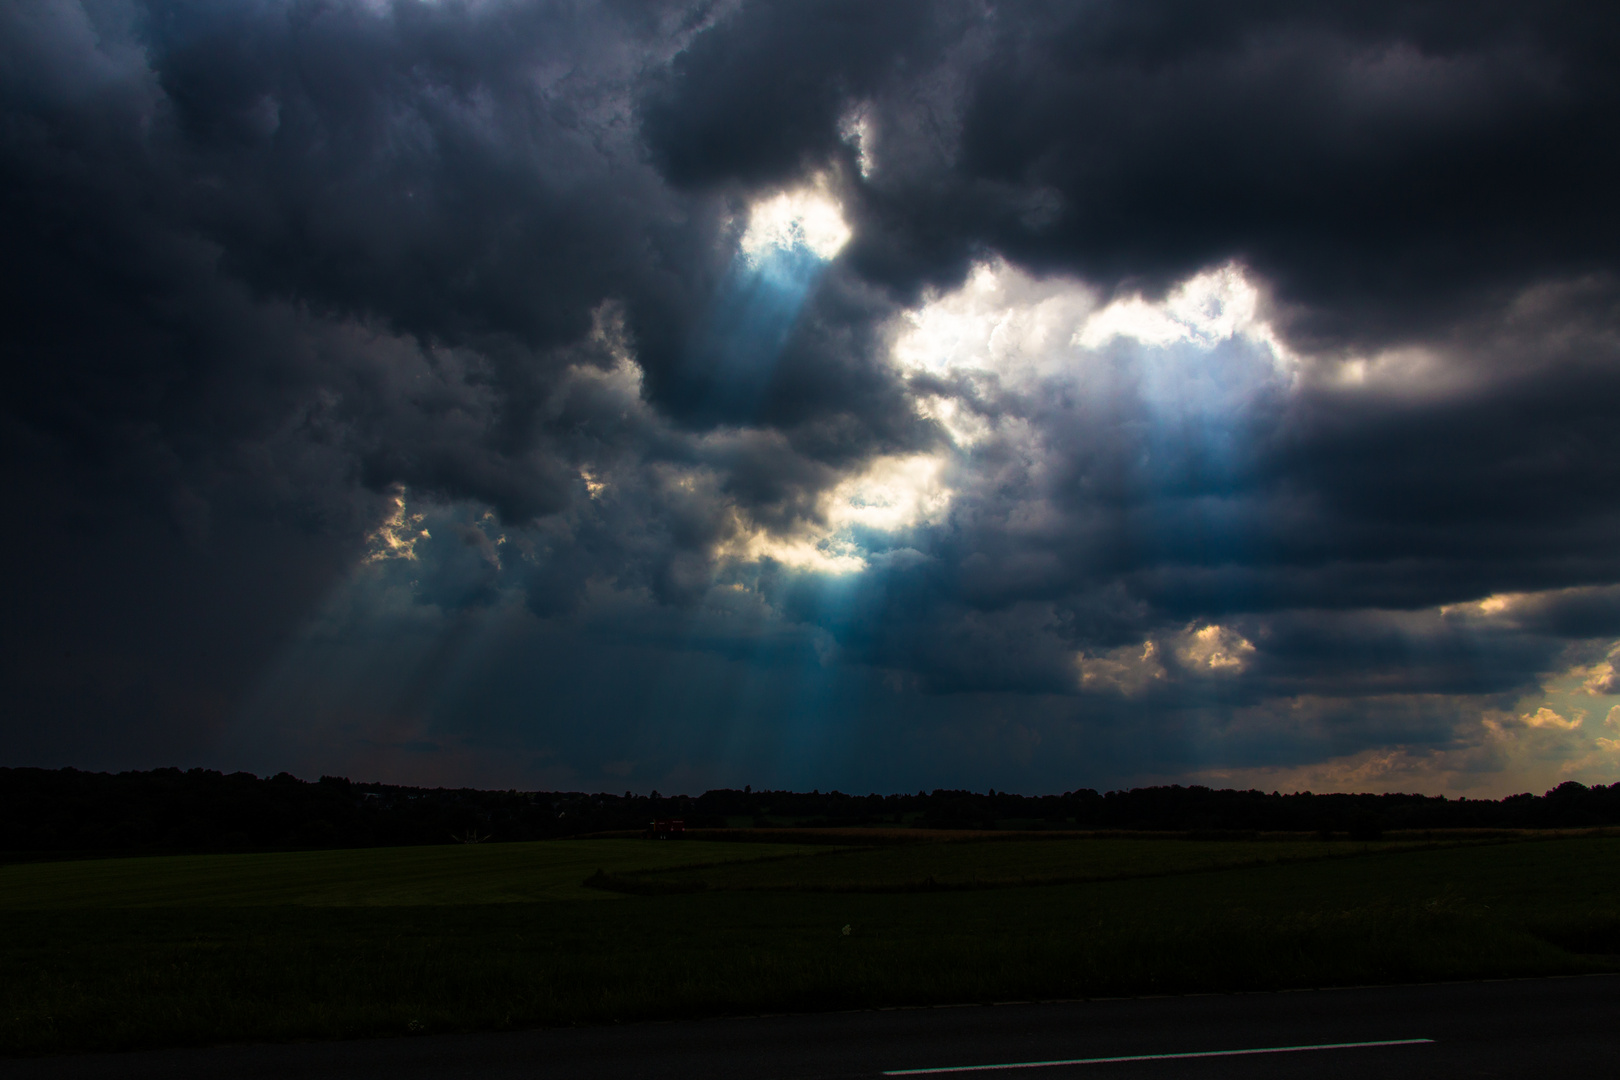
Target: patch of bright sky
x=1003 y=320
x=1576 y=691
x=783 y=252
x=1543 y=741
x=892 y=494
x=1000 y=323
x=1004 y=323
x=1205 y=310
x=807 y=218
x=823 y=554
x=1571 y=723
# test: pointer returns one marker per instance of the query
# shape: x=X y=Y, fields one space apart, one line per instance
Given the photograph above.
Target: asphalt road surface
x=1541 y=1028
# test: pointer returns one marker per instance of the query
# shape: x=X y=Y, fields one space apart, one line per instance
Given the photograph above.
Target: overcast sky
x=873 y=396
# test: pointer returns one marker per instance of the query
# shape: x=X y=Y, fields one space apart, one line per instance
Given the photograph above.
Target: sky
x=838 y=395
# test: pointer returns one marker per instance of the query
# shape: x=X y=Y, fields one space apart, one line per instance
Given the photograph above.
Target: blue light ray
x=755 y=311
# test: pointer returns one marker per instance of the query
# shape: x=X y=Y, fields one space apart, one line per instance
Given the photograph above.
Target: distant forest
x=65 y=812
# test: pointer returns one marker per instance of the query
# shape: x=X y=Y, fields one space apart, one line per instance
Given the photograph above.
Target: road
x=1512 y=1028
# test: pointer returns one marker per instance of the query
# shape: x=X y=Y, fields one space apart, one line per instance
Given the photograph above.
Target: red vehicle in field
x=670 y=829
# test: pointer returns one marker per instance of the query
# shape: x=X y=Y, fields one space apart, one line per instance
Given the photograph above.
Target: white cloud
x=1496 y=604
x=820 y=554
x=1127 y=670
x=807 y=217
x=1205 y=310
x=1205 y=651
x=1602 y=678
x=1001 y=320
x=891 y=494
x=397 y=536
x=1004 y=332
x=1134 y=318
x=1546 y=718
x=1214 y=649
x=858 y=130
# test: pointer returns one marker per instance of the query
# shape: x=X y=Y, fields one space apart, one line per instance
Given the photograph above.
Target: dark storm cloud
x=1383 y=165
x=274 y=267
x=757 y=99
x=1576 y=613
x=323 y=157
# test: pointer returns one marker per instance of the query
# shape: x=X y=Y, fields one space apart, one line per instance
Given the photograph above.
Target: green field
x=393 y=877
x=167 y=951
x=988 y=864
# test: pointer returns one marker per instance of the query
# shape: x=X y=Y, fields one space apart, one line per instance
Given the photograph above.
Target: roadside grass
x=117 y=976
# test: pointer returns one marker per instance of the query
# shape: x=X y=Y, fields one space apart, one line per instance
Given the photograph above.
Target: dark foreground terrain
x=1509 y=1029
x=126 y=954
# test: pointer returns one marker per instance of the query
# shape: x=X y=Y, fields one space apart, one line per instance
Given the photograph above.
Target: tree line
x=67 y=811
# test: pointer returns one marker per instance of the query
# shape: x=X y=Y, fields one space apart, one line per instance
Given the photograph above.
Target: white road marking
x=1154 y=1057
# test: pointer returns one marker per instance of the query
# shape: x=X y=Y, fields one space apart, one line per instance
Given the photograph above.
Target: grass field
x=394 y=877
x=144 y=952
x=988 y=864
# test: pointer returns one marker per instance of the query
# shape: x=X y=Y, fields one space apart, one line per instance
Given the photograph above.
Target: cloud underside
x=866 y=395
